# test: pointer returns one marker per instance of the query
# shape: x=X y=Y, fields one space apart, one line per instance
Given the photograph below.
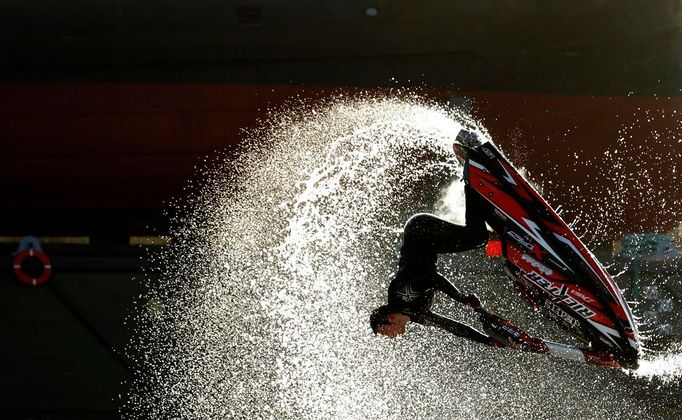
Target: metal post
x=634 y=286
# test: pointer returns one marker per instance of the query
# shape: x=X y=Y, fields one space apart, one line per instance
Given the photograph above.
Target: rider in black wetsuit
x=412 y=290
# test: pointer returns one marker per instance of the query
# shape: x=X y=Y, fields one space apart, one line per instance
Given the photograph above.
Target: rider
x=412 y=290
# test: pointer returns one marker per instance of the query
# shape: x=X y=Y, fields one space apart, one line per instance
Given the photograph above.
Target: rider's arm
x=461 y=330
x=449 y=289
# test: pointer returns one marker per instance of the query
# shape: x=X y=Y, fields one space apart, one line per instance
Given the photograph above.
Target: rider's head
x=388 y=322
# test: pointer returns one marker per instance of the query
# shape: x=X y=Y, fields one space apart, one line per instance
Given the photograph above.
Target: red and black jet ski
x=549 y=265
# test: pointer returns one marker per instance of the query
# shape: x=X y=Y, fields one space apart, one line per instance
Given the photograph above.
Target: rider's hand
x=494 y=343
x=471 y=300
x=515 y=343
x=509 y=343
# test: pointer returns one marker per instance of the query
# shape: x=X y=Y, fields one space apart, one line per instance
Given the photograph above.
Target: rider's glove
x=471 y=300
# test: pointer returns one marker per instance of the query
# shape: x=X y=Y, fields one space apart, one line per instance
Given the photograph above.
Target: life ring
x=21 y=257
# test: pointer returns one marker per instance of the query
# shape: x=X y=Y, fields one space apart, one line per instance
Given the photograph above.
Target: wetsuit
x=413 y=288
